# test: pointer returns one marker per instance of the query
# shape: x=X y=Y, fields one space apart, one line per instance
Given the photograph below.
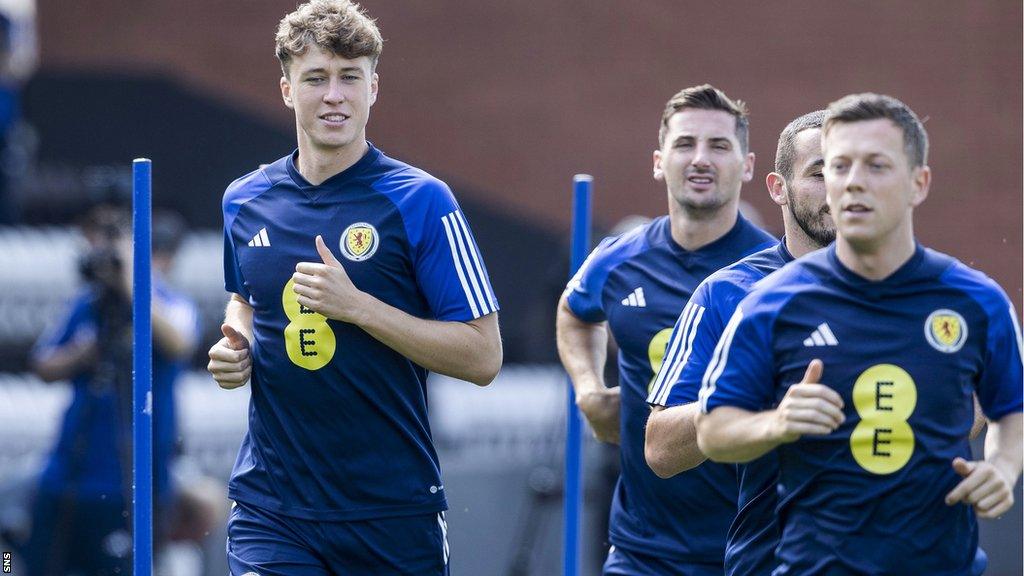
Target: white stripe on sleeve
x=463 y=256
x=478 y=262
x=690 y=336
x=1016 y=331
x=672 y=355
x=458 y=267
x=718 y=359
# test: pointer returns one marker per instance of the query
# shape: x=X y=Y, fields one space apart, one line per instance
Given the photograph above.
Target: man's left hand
x=326 y=288
x=983 y=486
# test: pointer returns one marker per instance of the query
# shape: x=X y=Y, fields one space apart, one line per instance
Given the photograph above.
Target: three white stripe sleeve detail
x=677 y=353
x=719 y=359
x=468 y=265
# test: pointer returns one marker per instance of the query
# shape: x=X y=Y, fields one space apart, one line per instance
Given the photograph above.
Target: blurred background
x=505 y=101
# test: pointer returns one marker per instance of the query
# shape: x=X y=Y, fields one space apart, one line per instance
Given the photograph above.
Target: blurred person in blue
x=80 y=519
x=18 y=60
x=858 y=365
x=352 y=274
x=636 y=285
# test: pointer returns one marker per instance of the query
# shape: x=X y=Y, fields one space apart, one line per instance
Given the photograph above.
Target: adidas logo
x=636 y=298
x=822 y=336
x=260 y=239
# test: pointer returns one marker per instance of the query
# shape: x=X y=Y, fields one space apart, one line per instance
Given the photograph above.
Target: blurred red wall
x=514 y=98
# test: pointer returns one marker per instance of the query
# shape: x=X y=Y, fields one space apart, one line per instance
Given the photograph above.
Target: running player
x=887 y=341
x=352 y=274
x=671 y=444
x=635 y=285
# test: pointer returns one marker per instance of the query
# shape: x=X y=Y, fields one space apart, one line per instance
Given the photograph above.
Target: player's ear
x=374 y=85
x=922 y=182
x=748 y=167
x=659 y=173
x=286 y=92
x=777 y=188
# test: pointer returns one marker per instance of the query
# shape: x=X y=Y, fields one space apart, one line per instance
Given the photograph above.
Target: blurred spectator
x=18 y=59
x=80 y=516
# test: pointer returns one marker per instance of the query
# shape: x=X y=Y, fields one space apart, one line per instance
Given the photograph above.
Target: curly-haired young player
x=352 y=275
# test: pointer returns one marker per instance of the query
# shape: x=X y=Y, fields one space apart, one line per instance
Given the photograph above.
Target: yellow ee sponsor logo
x=884 y=396
x=308 y=339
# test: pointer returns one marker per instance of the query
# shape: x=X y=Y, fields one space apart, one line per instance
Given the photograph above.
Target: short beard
x=812 y=224
x=706 y=210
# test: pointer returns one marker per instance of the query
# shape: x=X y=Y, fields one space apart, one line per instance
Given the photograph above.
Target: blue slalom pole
x=142 y=370
x=573 y=491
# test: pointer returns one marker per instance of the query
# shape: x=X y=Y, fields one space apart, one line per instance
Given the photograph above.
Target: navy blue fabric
x=754 y=533
x=338 y=425
x=906 y=355
x=639 y=282
x=262 y=542
x=623 y=562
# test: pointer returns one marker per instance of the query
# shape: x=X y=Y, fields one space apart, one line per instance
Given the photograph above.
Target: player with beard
x=798 y=187
x=857 y=364
x=636 y=284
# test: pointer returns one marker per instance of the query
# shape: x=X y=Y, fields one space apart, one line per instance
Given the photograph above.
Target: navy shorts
x=622 y=562
x=264 y=543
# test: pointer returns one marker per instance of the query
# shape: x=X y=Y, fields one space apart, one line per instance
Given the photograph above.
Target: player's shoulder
x=744 y=273
x=770 y=294
x=750 y=234
x=251 y=185
x=408 y=185
x=615 y=250
x=974 y=283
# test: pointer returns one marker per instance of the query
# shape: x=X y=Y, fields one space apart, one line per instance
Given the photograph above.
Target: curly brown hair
x=337 y=26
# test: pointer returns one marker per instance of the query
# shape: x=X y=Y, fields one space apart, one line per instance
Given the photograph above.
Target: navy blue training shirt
x=905 y=354
x=754 y=533
x=639 y=282
x=338 y=424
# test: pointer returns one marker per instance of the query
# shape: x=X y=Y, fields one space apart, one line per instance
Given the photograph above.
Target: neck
x=693 y=229
x=877 y=260
x=318 y=164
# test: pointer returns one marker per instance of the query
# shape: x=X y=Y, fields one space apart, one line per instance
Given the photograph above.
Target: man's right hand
x=230 y=362
x=601 y=407
x=808 y=408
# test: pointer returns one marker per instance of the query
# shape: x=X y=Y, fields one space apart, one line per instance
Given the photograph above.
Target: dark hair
x=707 y=97
x=785 y=154
x=868 y=106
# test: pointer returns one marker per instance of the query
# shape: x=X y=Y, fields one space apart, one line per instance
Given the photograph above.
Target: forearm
x=238 y=315
x=63 y=363
x=979 y=420
x=582 y=347
x=1003 y=448
x=468 y=351
x=169 y=338
x=670 y=446
x=730 y=434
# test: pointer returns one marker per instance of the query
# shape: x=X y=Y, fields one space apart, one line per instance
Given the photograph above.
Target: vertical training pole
x=573 y=492
x=142 y=371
